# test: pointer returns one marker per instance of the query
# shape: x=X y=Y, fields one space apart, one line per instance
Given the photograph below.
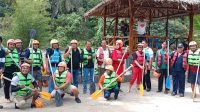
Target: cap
x=180 y=45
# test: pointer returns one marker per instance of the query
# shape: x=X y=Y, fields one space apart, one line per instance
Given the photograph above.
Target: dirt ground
x=127 y=102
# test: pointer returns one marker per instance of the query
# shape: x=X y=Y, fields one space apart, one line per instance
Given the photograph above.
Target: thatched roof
x=148 y=8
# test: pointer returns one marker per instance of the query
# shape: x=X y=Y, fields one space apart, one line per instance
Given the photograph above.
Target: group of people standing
x=24 y=68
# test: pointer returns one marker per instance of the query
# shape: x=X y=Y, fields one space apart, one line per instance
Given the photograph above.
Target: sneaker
x=77 y=100
x=181 y=95
x=62 y=96
x=115 y=97
x=166 y=91
x=173 y=94
x=33 y=105
x=148 y=90
x=16 y=107
x=1 y=107
x=158 y=91
x=121 y=90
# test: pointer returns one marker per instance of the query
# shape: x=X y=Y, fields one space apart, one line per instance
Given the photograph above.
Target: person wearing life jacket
x=20 y=81
x=139 y=64
x=2 y=62
x=88 y=59
x=161 y=66
x=73 y=52
x=116 y=56
x=21 y=51
x=63 y=80
x=34 y=57
x=55 y=57
x=11 y=66
x=179 y=66
x=103 y=53
x=193 y=62
x=149 y=60
x=106 y=79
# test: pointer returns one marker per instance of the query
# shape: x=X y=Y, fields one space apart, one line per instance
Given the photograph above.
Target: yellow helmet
x=54 y=41
x=10 y=41
x=74 y=42
x=109 y=67
x=192 y=43
x=25 y=65
x=36 y=42
x=18 y=41
x=62 y=64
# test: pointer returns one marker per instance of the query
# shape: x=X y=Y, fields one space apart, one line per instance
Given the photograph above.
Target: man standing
x=18 y=45
x=73 y=52
x=103 y=53
x=55 y=56
x=141 y=28
x=11 y=66
x=179 y=66
x=106 y=79
x=139 y=64
x=20 y=81
x=34 y=57
x=2 y=61
x=161 y=65
x=149 y=59
x=63 y=80
x=117 y=56
x=88 y=56
x=193 y=62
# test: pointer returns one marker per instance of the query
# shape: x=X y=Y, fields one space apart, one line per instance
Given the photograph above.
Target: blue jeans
x=50 y=82
x=178 y=81
x=107 y=93
x=75 y=77
x=86 y=72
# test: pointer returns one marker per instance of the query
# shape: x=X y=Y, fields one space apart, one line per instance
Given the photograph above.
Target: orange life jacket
x=140 y=58
x=184 y=60
x=160 y=58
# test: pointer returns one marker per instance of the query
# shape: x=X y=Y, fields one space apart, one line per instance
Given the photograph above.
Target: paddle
x=92 y=86
x=168 y=84
x=122 y=59
x=197 y=75
x=141 y=84
x=44 y=95
x=98 y=93
x=58 y=99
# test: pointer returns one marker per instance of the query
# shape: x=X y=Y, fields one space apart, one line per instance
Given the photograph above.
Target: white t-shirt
x=106 y=55
x=149 y=51
x=141 y=28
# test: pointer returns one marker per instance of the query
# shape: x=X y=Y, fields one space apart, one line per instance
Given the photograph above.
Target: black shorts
x=192 y=78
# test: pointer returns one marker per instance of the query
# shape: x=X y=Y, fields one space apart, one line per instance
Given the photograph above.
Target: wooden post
x=167 y=22
x=131 y=22
x=104 y=24
x=191 y=25
x=150 y=19
x=115 y=29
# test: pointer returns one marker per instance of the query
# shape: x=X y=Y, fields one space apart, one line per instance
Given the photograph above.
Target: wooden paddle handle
x=122 y=59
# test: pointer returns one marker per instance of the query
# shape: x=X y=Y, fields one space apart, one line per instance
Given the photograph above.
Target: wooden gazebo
x=151 y=9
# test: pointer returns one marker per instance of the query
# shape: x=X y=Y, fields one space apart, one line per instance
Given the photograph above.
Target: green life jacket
x=9 y=61
x=86 y=54
x=194 y=58
x=26 y=81
x=109 y=79
x=69 y=55
x=61 y=79
x=36 y=57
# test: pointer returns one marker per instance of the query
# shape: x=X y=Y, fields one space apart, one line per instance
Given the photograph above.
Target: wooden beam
x=104 y=23
x=115 y=29
x=131 y=22
x=167 y=22
x=191 y=25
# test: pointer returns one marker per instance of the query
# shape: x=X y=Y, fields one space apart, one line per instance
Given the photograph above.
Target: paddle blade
x=58 y=99
x=45 y=95
x=92 y=88
x=97 y=94
x=168 y=82
x=141 y=90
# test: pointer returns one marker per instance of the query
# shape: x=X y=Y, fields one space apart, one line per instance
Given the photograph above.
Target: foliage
x=30 y=14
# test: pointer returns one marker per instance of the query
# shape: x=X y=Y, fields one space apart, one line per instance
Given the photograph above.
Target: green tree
x=30 y=14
